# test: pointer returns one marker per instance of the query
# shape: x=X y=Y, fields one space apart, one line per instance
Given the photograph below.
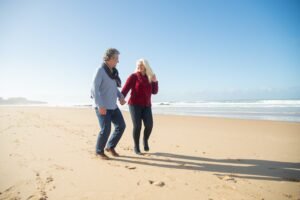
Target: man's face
x=113 y=61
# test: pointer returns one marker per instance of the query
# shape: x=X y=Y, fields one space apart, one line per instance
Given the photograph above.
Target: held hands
x=122 y=101
x=102 y=111
x=153 y=79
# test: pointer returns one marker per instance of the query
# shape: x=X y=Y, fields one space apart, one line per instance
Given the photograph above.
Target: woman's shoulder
x=133 y=76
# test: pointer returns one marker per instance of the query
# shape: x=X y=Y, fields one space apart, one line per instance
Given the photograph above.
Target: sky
x=199 y=50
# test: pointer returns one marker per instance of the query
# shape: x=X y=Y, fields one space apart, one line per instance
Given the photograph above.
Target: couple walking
x=142 y=83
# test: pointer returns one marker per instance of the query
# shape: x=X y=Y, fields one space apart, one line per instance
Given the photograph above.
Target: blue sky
x=200 y=50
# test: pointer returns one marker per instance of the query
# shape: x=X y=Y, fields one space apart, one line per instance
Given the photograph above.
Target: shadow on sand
x=239 y=168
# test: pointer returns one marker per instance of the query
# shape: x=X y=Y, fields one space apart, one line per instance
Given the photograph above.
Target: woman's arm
x=128 y=85
x=154 y=85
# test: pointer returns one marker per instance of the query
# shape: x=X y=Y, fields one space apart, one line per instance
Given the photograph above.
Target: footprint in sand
x=90 y=142
x=151 y=182
x=61 y=168
x=30 y=197
x=130 y=167
x=15 y=155
x=42 y=184
x=127 y=148
x=17 y=141
x=157 y=183
x=226 y=178
x=10 y=193
x=181 y=164
x=114 y=165
x=49 y=179
x=288 y=196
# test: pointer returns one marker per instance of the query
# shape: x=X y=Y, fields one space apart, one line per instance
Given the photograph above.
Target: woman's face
x=141 y=68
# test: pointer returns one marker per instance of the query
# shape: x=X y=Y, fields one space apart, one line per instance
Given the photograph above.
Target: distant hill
x=18 y=100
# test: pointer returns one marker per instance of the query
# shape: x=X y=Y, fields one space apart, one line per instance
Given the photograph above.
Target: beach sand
x=48 y=153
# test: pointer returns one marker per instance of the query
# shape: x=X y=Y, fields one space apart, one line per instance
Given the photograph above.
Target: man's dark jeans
x=112 y=116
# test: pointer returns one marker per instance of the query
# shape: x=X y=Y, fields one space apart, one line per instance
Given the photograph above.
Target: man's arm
x=121 y=98
x=97 y=94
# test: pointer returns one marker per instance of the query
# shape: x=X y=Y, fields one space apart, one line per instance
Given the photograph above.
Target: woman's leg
x=136 y=116
x=148 y=123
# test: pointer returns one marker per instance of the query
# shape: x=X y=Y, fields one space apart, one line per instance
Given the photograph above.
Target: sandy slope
x=48 y=153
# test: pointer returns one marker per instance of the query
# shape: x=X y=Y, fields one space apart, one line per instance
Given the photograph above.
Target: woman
x=143 y=84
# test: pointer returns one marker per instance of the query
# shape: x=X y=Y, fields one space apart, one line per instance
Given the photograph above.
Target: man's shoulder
x=100 y=70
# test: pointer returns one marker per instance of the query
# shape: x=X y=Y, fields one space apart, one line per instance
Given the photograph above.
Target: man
x=105 y=93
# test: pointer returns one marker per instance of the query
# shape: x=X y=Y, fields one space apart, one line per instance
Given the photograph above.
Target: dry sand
x=48 y=153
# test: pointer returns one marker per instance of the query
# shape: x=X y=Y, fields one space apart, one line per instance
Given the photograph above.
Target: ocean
x=278 y=110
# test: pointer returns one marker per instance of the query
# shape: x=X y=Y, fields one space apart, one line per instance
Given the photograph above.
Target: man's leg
x=119 y=123
x=105 y=125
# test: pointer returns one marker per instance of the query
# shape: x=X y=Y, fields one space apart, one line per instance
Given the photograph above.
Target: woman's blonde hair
x=148 y=70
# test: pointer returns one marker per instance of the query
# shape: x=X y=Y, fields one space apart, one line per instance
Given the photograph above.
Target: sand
x=49 y=153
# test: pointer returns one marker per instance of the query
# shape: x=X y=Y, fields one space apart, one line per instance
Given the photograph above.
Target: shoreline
x=154 y=113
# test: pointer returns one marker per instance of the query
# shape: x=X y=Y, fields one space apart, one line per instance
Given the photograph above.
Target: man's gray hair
x=109 y=53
